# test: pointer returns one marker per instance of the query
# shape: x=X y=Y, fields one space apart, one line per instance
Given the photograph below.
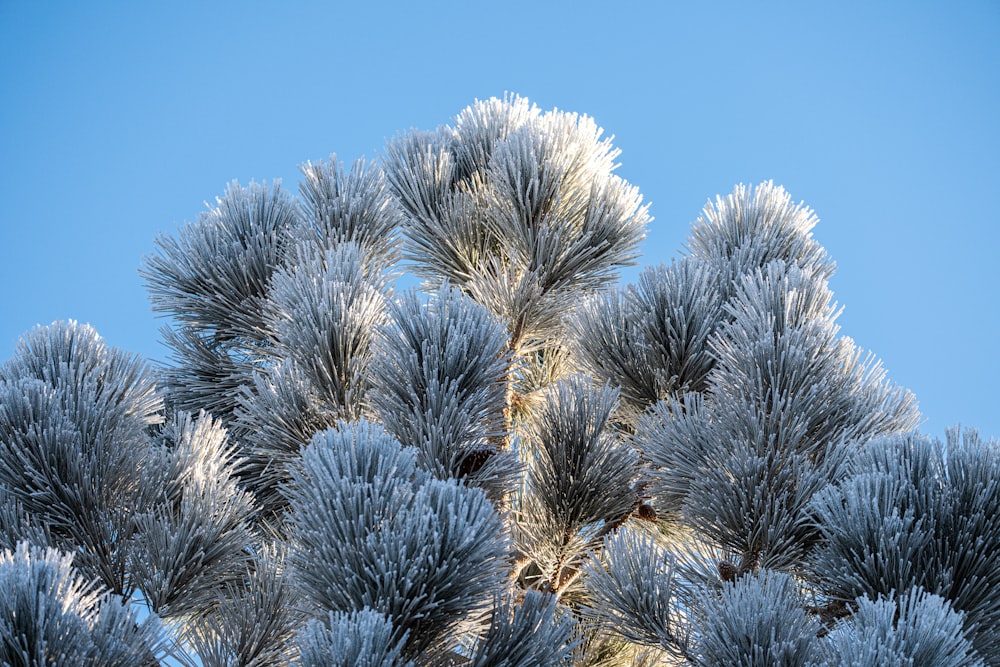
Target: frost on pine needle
x=785 y=403
x=753 y=226
x=916 y=628
x=323 y=311
x=371 y=530
x=359 y=638
x=517 y=207
x=520 y=464
x=651 y=339
x=274 y=421
x=633 y=592
x=214 y=274
x=212 y=278
x=349 y=207
x=532 y=632
x=579 y=483
x=759 y=620
x=195 y=539
x=74 y=416
x=254 y=619
x=439 y=377
x=17 y=525
x=910 y=516
x=237 y=281
x=49 y=615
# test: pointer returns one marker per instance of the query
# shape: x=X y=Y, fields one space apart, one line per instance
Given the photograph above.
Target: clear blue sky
x=119 y=119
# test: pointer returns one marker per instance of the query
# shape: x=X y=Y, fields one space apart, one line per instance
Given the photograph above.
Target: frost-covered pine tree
x=520 y=463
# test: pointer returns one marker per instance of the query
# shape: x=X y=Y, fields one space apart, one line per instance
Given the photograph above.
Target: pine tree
x=518 y=463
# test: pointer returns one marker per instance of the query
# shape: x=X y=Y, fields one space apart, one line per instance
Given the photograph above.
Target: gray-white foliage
x=17 y=525
x=212 y=278
x=521 y=465
x=193 y=541
x=275 y=419
x=753 y=226
x=579 y=482
x=205 y=373
x=651 y=339
x=214 y=274
x=519 y=208
x=276 y=301
x=323 y=311
x=152 y=512
x=262 y=278
x=782 y=358
x=911 y=515
x=915 y=628
x=532 y=632
x=255 y=618
x=74 y=415
x=349 y=207
x=759 y=620
x=634 y=591
x=358 y=638
x=50 y=615
x=785 y=402
x=439 y=376
x=372 y=530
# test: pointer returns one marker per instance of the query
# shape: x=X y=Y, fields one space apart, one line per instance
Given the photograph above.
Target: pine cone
x=728 y=570
x=646 y=512
x=474 y=461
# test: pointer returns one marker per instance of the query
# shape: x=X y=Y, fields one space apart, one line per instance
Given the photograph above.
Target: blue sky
x=118 y=120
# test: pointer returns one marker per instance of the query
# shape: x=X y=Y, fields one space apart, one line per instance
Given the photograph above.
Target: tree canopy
x=520 y=462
